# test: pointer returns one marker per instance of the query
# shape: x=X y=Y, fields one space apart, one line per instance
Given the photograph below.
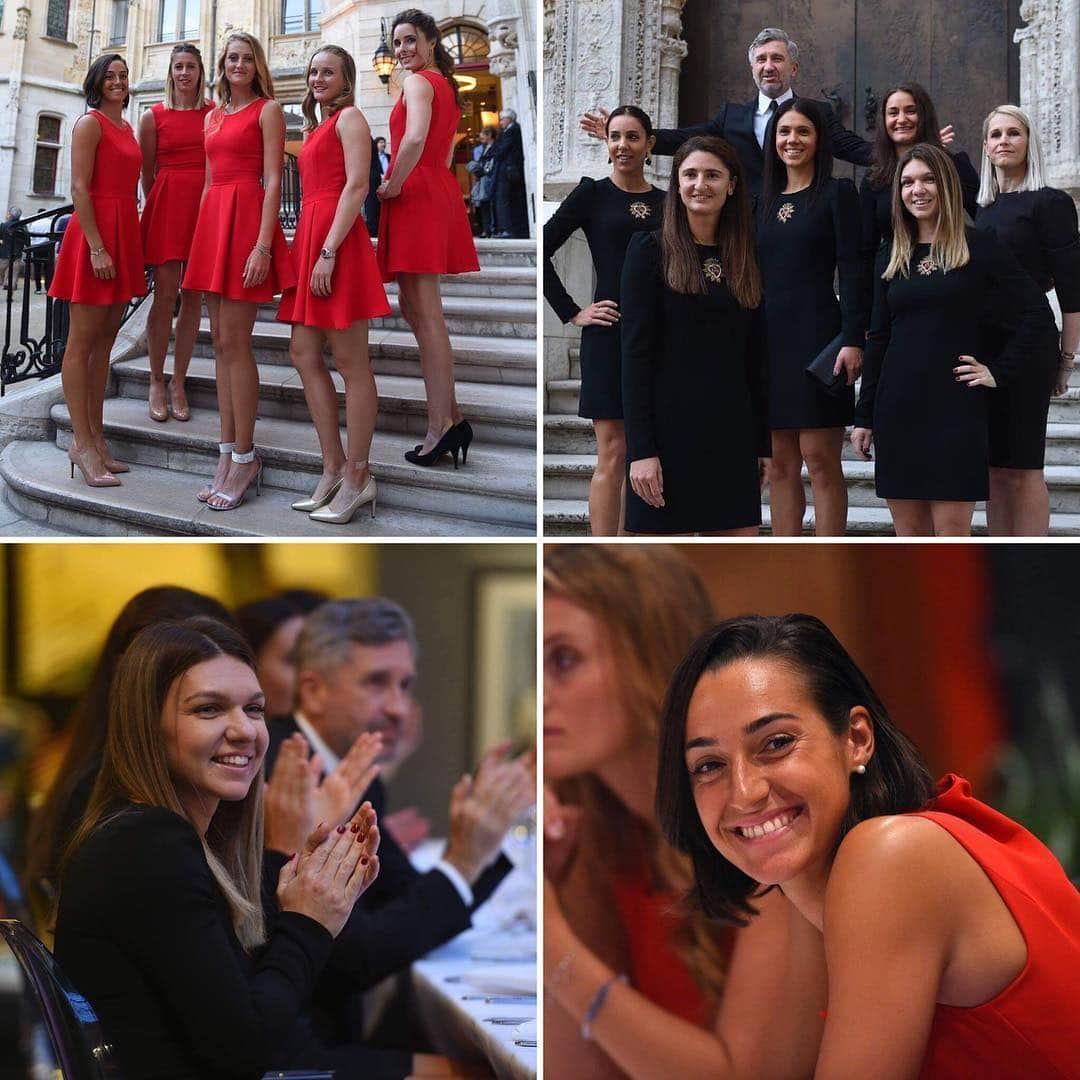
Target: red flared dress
x=231 y=213
x=425 y=230
x=172 y=207
x=112 y=194
x=356 y=288
x=1029 y=1029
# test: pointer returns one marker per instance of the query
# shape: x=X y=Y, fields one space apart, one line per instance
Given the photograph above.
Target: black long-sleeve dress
x=930 y=431
x=609 y=217
x=144 y=932
x=695 y=397
x=801 y=245
x=875 y=207
x=1039 y=228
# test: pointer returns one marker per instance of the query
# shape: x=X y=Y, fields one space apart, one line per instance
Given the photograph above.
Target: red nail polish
x=362 y=837
x=354 y=827
x=364 y=861
x=341 y=828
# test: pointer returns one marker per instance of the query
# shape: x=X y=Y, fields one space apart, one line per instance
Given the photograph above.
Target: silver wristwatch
x=327 y=253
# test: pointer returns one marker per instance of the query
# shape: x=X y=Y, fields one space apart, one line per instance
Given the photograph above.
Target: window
x=46 y=155
x=118 y=23
x=465 y=43
x=300 y=15
x=56 y=21
x=179 y=20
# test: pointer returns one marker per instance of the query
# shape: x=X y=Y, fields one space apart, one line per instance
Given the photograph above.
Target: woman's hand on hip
x=971 y=372
x=602 y=313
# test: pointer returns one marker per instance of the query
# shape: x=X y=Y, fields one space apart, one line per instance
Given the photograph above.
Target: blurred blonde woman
x=637 y=984
x=1038 y=225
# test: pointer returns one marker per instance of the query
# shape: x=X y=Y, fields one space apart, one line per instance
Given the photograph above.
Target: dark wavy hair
x=897 y=779
x=430 y=29
x=734 y=235
x=884 y=157
x=94 y=84
x=774 y=175
x=640 y=115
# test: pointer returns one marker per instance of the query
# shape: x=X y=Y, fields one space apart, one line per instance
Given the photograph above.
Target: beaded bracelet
x=597 y=1004
x=261 y=249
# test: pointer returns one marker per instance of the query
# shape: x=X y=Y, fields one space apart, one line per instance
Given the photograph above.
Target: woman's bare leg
x=187 y=330
x=787 y=499
x=350 y=352
x=609 y=478
x=820 y=449
x=159 y=330
x=306 y=353
x=1019 y=503
x=911 y=517
x=952 y=518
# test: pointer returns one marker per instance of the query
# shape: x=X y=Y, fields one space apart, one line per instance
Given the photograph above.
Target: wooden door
x=852 y=51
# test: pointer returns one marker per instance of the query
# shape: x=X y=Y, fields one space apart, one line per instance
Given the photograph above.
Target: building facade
x=46 y=47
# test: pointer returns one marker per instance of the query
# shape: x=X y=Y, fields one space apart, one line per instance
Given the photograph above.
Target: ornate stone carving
x=22 y=22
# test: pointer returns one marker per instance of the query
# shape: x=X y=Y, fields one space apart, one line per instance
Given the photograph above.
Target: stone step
x=497 y=484
x=570 y=517
x=511 y=361
x=567 y=476
x=498 y=414
x=497 y=281
x=562 y=396
x=565 y=434
x=156 y=501
x=504 y=253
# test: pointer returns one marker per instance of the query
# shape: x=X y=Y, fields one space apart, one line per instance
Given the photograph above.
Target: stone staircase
x=491 y=316
x=570 y=457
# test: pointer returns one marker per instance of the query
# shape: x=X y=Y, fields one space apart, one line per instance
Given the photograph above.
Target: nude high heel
x=92 y=476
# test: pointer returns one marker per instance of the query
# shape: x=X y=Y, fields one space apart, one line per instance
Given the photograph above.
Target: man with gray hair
x=774 y=63
x=508 y=179
x=355 y=675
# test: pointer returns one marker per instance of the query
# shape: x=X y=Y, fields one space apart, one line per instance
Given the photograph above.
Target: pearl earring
x=860 y=769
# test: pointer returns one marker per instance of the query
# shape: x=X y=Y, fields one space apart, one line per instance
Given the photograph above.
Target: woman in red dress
x=239 y=257
x=950 y=934
x=338 y=286
x=173 y=173
x=100 y=267
x=423 y=228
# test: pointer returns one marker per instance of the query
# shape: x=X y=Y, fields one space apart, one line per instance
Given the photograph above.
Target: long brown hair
x=884 y=152
x=427 y=26
x=135 y=767
x=170 y=85
x=263 y=83
x=949 y=249
x=734 y=234
x=347 y=96
x=652 y=606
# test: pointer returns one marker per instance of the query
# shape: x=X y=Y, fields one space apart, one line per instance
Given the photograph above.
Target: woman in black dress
x=908 y=117
x=693 y=376
x=161 y=920
x=924 y=398
x=808 y=227
x=1038 y=225
x=609 y=212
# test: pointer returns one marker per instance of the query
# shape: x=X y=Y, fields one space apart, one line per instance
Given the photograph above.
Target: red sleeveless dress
x=113 y=184
x=1031 y=1028
x=356 y=288
x=425 y=230
x=231 y=213
x=172 y=207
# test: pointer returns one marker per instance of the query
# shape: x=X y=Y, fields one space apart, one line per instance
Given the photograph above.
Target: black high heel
x=465 y=435
x=450 y=443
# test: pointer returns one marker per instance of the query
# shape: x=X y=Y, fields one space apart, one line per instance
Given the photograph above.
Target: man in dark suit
x=774 y=62
x=508 y=179
x=356 y=667
x=375 y=178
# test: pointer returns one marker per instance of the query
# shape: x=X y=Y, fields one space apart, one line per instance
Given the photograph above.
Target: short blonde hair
x=263 y=84
x=989 y=189
x=949 y=248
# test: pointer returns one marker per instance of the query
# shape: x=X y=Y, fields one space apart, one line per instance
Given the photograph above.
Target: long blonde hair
x=170 y=85
x=1034 y=175
x=135 y=768
x=263 y=83
x=652 y=606
x=949 y=248
x=347 y=96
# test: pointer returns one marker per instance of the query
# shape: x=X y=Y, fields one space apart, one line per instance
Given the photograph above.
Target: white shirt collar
x=763 y=101
x=315 y=741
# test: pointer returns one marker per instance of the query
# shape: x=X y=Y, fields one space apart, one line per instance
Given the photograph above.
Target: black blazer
x=735 y=123
x=509 y=155
x=402 y=917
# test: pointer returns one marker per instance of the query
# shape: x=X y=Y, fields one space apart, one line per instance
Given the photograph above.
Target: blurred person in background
x=482 y=166
x=637 y=984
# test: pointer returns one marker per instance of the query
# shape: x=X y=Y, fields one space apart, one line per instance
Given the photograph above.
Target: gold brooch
x=926 y=266
x=713 y=271
x=640 y=210
x=785 y=212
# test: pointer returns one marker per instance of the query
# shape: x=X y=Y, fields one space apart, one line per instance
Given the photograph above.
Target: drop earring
x=648 y=160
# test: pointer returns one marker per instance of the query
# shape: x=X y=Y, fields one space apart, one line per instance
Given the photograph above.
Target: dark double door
x=852 y=51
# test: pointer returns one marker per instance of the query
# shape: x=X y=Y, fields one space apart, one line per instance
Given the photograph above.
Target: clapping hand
x=325 y=879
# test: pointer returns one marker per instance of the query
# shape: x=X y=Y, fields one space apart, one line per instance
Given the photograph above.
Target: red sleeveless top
x=1032 y=1028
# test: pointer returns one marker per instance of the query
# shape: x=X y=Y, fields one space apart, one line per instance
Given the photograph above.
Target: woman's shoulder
x=131 y=832
x=1054 y=203
x=644 y=244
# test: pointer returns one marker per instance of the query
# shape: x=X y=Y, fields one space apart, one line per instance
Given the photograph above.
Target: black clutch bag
x=821 y=367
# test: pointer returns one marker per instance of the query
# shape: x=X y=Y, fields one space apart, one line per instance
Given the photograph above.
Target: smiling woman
x=950 y=932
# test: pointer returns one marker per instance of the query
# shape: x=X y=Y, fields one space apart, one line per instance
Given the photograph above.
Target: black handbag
x=821 y=367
